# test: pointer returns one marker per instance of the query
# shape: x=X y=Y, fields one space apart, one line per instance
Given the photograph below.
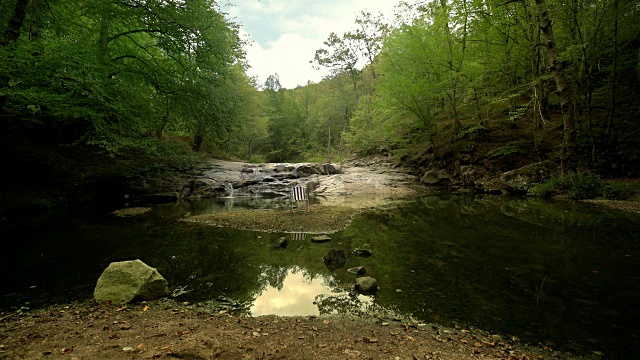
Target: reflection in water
x=560 y=272
x=297 y=294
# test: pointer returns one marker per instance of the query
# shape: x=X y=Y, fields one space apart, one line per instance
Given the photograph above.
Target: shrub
x=257 y=159
x=581 y=185
x=545 y=189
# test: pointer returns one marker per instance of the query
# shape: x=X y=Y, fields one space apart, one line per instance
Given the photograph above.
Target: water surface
x=563 y=273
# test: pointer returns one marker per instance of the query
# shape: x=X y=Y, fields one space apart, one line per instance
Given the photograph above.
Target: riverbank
x=165 y=329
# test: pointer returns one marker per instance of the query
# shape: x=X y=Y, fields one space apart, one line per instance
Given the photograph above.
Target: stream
x=563 y=274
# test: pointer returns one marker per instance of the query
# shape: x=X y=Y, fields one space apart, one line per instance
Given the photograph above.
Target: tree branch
x=111 y=38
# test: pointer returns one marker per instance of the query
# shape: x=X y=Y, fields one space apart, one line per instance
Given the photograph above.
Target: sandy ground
x=164 y=329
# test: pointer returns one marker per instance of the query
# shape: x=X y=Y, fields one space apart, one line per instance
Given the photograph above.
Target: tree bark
x=614 y=65
x=568 y=114
x=12 y=34
x=198 y=139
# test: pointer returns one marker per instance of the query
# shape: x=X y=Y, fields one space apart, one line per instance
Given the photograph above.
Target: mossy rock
x=125 y=281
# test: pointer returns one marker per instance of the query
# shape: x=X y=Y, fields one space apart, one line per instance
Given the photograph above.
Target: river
x=564 y=274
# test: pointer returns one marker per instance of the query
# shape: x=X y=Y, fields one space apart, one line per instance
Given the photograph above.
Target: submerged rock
x=134 y=211
x=320 y=239
x=362 y=252
x=366 y=284
x=125 y=281
x=281 y=243
x=334 y=259
x=358 y=270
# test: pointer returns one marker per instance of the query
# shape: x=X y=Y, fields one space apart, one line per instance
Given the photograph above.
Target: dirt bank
x=167 y=330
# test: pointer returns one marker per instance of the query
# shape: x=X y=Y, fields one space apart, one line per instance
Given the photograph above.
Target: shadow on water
x=567 y=273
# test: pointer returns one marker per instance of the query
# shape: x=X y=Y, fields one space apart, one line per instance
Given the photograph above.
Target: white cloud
x=287 y=33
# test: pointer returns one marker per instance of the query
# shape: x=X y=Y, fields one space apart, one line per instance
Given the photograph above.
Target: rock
x=366 y=284
x=125 y=281
x=308 y=170
x=493 y=186
x=335 y=257
x=281 y=243
x=320 y=239
x=362 y=252
x=471 y=174
x=358 y=270
x=134 y=211
x=330 y=169
x=430 y=177
x=433 y=177
x=524 y=177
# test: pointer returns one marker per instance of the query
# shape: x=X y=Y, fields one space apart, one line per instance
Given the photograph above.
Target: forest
x=135 y=89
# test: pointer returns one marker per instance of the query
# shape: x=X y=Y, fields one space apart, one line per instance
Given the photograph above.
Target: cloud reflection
x=295 y=297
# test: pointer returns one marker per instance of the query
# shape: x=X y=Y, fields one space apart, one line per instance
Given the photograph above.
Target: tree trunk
x=198 y=139
x=568 y=114
x=12 y=34
x=612 y=100
x=329 y=142
x=35 y=28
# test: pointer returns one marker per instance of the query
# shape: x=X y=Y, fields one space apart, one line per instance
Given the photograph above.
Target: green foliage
x=513 y=147
x=545 y=189
x=473 y=132
x=581 y=185
x=127 y=69
x=256 y=159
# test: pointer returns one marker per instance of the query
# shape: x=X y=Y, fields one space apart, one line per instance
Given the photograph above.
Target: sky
x=286 y=33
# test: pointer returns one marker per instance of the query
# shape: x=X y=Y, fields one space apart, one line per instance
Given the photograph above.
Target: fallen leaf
x=314 y=328
x=326 y=322
x=463 y=341
x=125 y=307
x=477 y=344
x=66 y=350
x=465 y=331
x=141 y=346
x=599 y=353
x=322 y=345
x=146 y=308
x=127 y=348
x=126 y=327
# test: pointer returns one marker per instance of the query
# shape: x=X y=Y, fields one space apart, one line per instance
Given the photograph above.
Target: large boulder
x=308 y=170
x=524 y=177
x=433 y=177
x=366 y=284
x=430 y=177
x=125 y=281
x=335 y=257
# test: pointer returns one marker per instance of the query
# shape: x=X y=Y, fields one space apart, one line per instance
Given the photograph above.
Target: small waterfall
x=228 y=190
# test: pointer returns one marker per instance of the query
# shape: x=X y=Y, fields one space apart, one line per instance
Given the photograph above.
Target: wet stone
x=362 y=252
x=366 y=284
x=320 y=239
x=358 y=270
x=281 y=243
